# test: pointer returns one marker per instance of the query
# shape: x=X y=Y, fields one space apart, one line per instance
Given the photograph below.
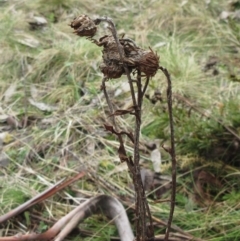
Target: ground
x=52 y=112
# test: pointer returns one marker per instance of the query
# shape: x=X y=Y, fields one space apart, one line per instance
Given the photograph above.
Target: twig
x=109 y=103
x=145 y=86
x=110 y=206
x=171 y=151
x=41 y=197
x=140 y=193
x=145 y=208
x=25 y=94
x=103 y=87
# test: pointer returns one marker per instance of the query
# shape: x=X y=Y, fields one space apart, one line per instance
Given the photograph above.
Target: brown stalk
x=120 y=139
x=171 y=151
x=142 y=231
x=141 y=201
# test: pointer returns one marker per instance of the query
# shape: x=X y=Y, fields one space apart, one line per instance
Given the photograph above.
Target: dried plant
x=117 y=53
x=122 y=56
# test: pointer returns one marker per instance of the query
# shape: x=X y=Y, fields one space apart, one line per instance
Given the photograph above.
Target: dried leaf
x=109 y=128
x=225 y=15
x=42 y=106
x=123 y=112
x=147 y=177
x=130 y=136
x=10 y=92
x=156 y=160
x=49 y=121
x=167 y=149
x=37 y=22
x=27 y=40
x=122 y=153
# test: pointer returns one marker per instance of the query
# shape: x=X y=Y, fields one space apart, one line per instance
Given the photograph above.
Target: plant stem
x=149 y=230
x=172 y=150
x=142 y=232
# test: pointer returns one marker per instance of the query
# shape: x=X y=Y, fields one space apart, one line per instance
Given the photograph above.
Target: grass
x=64 y=132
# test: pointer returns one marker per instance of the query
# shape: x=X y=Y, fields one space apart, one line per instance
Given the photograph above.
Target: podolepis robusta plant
x=122 y=56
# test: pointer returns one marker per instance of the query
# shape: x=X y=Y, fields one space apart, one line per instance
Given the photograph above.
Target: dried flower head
x=133 y=57
x=111 y=67
x=112 y=70
x=149 y=63
x=84 y=26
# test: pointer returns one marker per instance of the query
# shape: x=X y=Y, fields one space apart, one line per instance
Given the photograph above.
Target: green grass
x=61 y=72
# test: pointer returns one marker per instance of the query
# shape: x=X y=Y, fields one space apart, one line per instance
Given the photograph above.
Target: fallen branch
x=109 y=206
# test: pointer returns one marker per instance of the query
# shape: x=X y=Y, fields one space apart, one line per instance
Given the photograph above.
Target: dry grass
x=65 y=135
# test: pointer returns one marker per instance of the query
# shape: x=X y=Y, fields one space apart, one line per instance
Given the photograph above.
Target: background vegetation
x=52 y=111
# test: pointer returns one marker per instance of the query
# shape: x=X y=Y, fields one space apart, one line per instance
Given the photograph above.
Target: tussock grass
x=61 y=71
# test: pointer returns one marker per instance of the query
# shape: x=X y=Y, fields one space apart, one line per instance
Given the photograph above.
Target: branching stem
x=142 y=231
x=171 y=151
